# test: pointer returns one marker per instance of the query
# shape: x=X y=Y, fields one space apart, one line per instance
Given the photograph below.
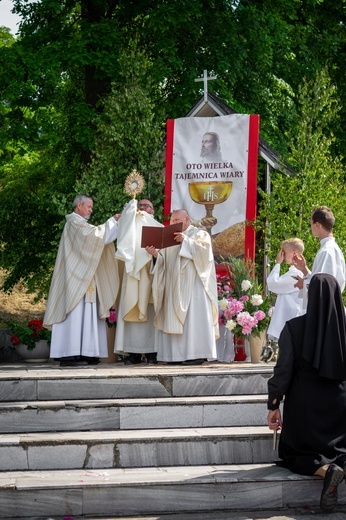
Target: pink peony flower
x=112 y=317
x=234 y=307
x=259 y=315
x=247 y=322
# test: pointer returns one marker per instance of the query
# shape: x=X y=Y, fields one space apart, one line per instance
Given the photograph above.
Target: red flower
x=15 y=340
x=37 y=325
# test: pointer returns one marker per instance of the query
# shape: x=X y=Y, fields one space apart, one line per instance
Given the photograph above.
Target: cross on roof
x=205 y=80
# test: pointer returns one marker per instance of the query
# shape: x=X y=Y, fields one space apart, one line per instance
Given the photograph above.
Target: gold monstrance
x=209 y=194
x=134 y=184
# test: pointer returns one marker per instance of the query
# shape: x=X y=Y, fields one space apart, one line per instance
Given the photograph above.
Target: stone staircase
x=116 y=440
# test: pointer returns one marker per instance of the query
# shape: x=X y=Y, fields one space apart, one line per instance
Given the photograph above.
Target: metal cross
x=205 y=80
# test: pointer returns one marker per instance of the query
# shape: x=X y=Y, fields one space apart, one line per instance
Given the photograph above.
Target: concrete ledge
x=130 y=414
x=136 y=448
x=154 y=490
x=50 y=382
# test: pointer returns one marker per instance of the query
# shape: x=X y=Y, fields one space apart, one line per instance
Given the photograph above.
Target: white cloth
x=329 y=259
x=225 y=346
x=185 y=299
x=136 y=337
x=135 y=332
x=288 y=305
x=85 y=262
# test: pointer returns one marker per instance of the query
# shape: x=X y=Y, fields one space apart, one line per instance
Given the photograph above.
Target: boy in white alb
x=329 y=258
x=288 y=305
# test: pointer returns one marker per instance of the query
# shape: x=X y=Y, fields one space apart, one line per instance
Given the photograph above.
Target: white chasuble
x=135 y=332
x=185 y=299
x=84 y=286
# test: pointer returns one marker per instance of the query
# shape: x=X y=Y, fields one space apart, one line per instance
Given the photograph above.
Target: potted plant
x=31 y=340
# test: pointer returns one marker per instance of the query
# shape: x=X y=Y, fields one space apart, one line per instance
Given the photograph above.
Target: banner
x=211 y=172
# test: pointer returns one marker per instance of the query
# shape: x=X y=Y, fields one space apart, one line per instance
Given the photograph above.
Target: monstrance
x=134 y=184
x=209 y=194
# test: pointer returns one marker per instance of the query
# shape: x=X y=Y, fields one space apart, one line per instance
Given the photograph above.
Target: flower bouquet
x=245 y=310
x=28 y=334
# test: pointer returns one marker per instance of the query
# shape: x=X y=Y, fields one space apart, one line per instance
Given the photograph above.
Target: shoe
x=133 y=359
x=73 y=363
x=329 y=495
x=193 y=362
x=151 y=358
x=91 y=360
x=174 y=362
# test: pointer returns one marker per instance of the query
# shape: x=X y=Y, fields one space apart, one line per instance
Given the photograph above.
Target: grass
x=18 y=305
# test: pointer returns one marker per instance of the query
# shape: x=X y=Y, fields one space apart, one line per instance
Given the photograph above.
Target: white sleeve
x=282 y=284
x=111 y=230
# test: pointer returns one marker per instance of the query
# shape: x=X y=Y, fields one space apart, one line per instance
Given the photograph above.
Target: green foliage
x=81 y=106
x=239 y=270
x=129 y=135
x=319 y=179
x=6 y=38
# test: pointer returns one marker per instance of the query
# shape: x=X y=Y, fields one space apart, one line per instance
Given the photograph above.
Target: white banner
x=210 y=175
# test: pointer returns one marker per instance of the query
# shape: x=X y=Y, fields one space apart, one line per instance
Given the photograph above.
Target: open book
x=160 y=237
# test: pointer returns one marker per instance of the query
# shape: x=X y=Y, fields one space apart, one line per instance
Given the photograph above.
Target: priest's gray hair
x=80 y=199
x=181 y=210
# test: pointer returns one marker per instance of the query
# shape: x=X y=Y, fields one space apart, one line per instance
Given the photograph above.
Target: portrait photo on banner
x=211 y=171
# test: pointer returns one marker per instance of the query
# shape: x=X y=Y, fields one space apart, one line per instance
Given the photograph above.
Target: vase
x=224 y=346
x=239 y=348
x=39 y=354
x=256 y=345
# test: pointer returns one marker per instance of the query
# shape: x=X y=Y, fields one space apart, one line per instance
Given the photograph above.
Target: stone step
x=129 y=414
x=48 y=381
x=136 y=448
x=160 y=490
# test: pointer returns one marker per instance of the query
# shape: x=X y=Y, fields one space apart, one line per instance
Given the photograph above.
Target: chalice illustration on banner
x=209 y=194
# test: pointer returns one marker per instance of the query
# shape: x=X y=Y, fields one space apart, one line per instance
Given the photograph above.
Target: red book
x=160 y=237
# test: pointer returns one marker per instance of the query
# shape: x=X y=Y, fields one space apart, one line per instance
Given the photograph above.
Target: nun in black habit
x=310 y=375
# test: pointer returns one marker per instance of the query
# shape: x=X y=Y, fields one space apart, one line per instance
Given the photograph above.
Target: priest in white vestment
x=185 y=296
x=84 y=287
x=135 y=332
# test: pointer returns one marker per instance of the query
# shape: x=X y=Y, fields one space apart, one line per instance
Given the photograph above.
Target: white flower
x=230 y=324
x=246 y=285
x=256 y=299
x=223 y=304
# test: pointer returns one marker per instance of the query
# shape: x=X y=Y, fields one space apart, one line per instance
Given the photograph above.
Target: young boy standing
x=288 y=304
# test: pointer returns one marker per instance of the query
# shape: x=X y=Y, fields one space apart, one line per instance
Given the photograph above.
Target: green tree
x=129 y=135
x=6 y=38
x=318 y=180
x=56 y=76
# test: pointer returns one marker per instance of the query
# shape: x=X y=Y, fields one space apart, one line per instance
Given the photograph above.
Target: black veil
x=324 y=344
